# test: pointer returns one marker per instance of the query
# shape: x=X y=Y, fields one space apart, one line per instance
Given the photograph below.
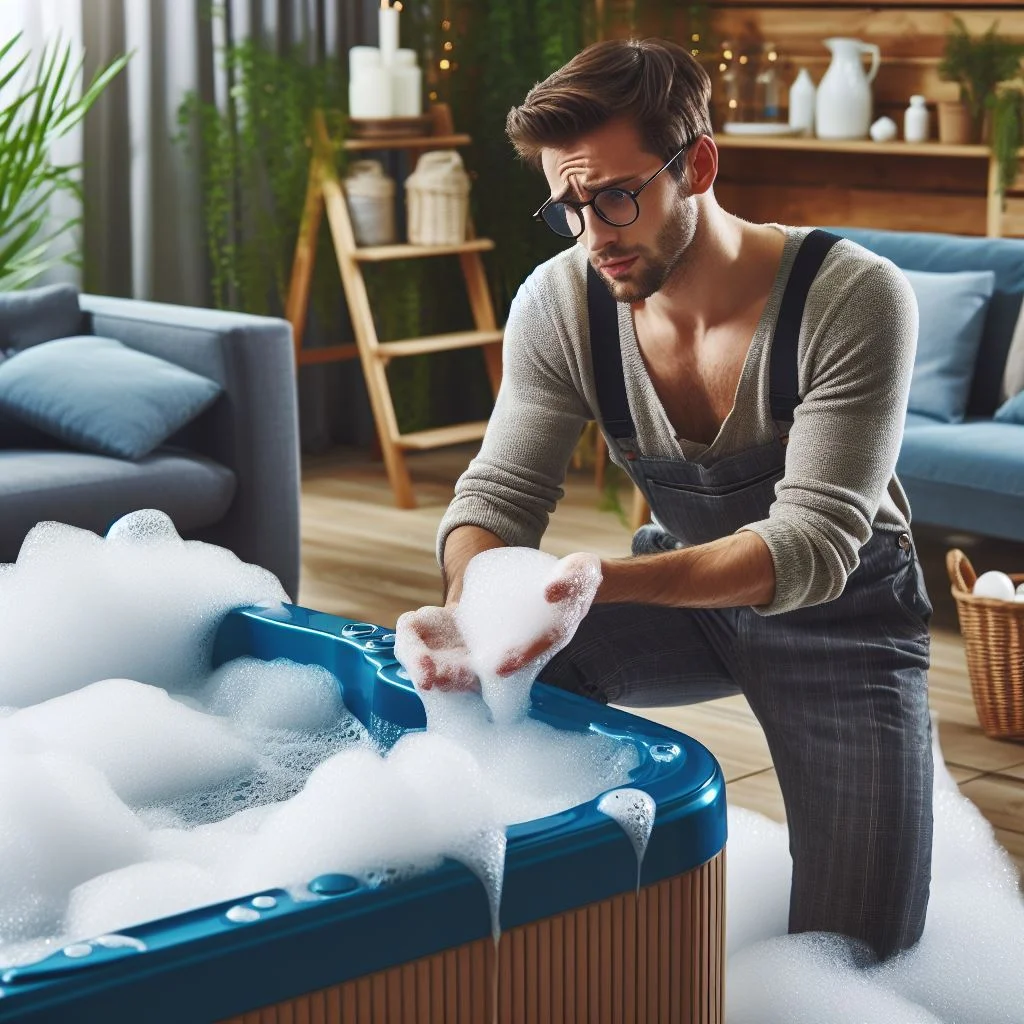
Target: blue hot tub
x=578 y=942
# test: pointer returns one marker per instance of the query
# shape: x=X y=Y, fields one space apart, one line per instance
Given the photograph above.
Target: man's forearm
x=460 y=546
x=729 y=572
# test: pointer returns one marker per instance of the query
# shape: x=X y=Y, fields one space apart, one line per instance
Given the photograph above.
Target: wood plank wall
x=905 y=193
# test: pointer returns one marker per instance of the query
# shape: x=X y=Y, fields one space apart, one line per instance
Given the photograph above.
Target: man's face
x=633 y=261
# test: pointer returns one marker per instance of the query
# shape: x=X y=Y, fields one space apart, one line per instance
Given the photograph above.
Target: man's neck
x=718 y=275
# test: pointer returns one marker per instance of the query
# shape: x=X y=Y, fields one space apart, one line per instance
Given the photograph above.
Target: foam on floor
x=968 y=967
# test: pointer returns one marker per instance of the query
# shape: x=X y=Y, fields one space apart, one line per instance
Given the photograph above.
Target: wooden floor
x=365 y=559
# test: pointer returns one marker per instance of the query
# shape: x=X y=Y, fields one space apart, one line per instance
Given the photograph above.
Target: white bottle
x=915 y=121
x=801 y=103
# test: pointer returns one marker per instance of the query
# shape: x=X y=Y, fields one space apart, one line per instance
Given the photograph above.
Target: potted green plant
x=978 y=65
x=44 y=109
x=1008 y=133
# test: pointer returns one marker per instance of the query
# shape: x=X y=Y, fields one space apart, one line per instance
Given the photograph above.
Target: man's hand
x=428 y=643
x=572 y=587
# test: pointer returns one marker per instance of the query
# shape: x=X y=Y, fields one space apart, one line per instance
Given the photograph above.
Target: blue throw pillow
x=952 y=308
x=99 y=395
x=1012 y=410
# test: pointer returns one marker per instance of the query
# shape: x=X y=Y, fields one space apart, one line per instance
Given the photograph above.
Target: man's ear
x=702 y=165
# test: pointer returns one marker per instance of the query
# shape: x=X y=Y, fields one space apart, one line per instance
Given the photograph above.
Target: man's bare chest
x=696 y=382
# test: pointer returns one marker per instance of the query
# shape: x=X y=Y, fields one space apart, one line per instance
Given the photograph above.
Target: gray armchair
x=231 y=477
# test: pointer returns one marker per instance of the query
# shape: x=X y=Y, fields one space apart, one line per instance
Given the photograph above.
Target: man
x=752 y=379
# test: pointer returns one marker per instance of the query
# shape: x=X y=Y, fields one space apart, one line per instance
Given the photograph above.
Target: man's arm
x=732 y=571
x=461 y=545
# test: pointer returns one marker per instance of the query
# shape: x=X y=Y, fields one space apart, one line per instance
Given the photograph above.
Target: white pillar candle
x=406 y=85
x=387 y=31
x=369 y=93
x=362 y=57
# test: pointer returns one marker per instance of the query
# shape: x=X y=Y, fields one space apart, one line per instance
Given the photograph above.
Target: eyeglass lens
x=614 y=206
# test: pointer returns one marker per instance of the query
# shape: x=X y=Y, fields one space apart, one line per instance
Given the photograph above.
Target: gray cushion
x=36 y=315
x=952 y=310
x=99 y=395
x=91 y=491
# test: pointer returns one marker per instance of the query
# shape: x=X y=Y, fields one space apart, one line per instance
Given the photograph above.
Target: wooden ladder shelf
x=325 y=191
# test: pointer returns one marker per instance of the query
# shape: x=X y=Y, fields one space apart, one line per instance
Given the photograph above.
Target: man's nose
x=598 y=234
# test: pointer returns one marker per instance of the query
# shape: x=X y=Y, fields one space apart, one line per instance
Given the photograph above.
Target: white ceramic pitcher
x=843 y=104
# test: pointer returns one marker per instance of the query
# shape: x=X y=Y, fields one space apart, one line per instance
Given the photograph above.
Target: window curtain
x=141 y=234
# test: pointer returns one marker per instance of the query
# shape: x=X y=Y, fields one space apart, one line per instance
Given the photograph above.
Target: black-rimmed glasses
x=615 y=206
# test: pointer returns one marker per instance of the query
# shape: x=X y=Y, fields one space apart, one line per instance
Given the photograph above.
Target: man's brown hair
x=653 y=83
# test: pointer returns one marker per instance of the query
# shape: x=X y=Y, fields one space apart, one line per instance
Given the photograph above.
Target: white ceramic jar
x=915 y=121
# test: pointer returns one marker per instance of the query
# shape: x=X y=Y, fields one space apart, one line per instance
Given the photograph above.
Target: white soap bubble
x=151 y=748
x=276 y=694
x=758 y=874
x=503 y=610
x=60 y=824
x=812 y=978
x=142 y=585
x=994 y=584
x=136 y=894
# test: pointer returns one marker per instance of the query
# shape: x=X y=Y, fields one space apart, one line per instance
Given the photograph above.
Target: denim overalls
x=839 y=688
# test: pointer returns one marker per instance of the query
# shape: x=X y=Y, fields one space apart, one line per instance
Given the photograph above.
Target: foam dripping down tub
x=579 y=941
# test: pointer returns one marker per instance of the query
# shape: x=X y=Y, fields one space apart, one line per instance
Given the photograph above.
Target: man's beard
x=671 y=250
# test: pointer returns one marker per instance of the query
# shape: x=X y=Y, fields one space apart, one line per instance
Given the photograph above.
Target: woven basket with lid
x=437 y=198
x=993 y=633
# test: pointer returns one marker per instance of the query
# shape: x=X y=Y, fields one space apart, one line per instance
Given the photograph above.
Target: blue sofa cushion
x=965 y=476
x=921 y=250
x=952 y=309
x=1012 y=410
x=102 y=396
x=36 y=315
x=91 y=491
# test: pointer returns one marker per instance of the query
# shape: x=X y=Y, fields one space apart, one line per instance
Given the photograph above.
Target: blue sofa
x=965 y=476
x=230 y=477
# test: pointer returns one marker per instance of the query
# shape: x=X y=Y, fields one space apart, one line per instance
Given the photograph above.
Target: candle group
x=384 y=81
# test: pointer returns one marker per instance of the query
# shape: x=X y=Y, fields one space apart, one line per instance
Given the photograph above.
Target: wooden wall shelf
x=923 y=149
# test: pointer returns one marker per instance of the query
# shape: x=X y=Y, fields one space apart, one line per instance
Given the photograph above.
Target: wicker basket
x=437 y=194
x=993 y=633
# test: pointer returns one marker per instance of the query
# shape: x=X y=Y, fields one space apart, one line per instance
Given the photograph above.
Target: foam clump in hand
x=506 y=613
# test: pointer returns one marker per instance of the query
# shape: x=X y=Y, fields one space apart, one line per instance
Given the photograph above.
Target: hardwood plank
x=759 y=792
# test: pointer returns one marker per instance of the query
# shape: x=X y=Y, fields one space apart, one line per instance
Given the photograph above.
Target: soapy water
x=110 y=816
x=634 y=810
x=136 y=784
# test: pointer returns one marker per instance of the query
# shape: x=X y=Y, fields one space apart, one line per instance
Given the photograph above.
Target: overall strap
x=606 y=355
x=784 y=376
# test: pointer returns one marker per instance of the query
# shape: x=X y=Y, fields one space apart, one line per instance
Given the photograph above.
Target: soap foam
x=123 y=800
x=967 y=968
x=503 y=609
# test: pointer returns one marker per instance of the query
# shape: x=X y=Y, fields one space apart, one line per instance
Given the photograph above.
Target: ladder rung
x=327 y=354
x=354 y=145
x=379 y=253
x=438 y=437
x=438 y=343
